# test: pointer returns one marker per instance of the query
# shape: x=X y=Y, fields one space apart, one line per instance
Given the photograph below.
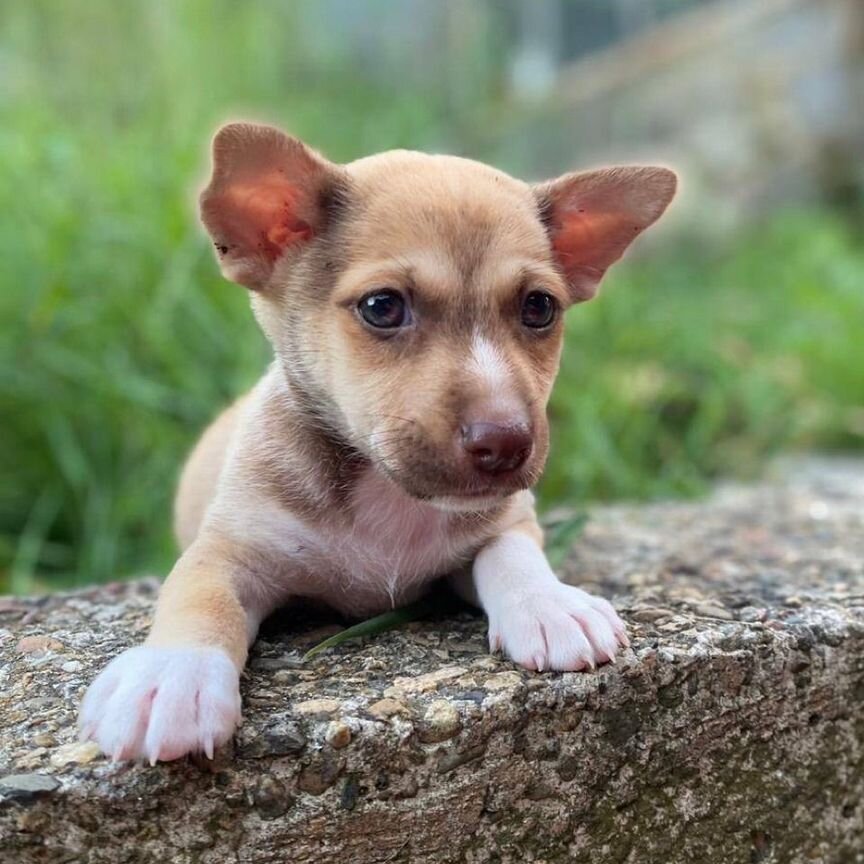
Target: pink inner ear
x=261 y=215
x=592 y=241
x=587 y=243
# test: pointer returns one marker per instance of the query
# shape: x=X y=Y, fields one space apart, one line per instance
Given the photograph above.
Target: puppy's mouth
x=472 y=502
x=459 y=498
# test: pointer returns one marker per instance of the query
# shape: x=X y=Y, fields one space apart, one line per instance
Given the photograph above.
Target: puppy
x=415 y=307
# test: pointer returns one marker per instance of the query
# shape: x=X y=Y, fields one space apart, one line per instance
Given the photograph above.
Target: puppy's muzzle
x=495 y=448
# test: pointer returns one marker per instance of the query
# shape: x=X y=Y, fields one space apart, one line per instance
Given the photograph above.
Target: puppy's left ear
x=592 y=218
x=268 y=197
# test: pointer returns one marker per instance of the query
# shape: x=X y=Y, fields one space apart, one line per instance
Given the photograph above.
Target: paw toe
x=569 y=649
x=605 y=608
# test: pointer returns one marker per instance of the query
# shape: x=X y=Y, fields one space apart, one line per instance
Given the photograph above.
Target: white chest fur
x=398 y=540
x=394 y=547
x=384 y=554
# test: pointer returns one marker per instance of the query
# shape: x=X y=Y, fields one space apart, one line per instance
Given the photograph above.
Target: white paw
x=162 y=703
x=559 y=627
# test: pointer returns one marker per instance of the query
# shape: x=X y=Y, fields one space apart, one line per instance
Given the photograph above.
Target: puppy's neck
x=311 y=409
x=308 y=464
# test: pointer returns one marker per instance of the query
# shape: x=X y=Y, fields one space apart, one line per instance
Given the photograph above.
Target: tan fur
x=200 y=475
x=199 y=604
x=344 y=476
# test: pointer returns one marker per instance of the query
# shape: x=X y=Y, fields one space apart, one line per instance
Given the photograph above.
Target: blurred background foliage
x=733 y=333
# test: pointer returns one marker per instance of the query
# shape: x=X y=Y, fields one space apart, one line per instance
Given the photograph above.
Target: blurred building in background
x=759 y=102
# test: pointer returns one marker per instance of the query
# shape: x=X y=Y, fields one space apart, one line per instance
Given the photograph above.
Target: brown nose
x=495 y=448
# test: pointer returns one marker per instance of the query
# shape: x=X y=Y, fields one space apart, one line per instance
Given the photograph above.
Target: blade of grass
x=562 y=529
x=32 y=539
x=380 y=624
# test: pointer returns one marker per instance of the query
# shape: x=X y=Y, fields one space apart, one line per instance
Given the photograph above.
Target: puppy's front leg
x=179 y=692
x=539 y=622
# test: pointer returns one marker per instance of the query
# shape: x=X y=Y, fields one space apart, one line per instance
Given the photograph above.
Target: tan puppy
x=414 y=304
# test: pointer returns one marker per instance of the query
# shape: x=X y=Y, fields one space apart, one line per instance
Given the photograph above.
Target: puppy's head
x=415 y=302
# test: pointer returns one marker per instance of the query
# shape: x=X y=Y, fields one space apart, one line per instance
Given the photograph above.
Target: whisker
x=396 y=439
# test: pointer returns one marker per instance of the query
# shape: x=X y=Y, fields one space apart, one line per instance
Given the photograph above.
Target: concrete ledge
x=733 y=730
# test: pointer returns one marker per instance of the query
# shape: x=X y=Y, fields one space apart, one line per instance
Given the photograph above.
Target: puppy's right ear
x=266 y=199
x=592 y=218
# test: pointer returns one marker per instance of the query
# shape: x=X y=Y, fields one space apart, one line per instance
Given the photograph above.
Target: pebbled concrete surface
x=733 y=730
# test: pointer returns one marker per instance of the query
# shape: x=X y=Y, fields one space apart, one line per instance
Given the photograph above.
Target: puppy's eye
x=385 y=310
x=538 y=309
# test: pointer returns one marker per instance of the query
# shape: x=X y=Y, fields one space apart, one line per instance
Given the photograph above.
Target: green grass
x=118 y=340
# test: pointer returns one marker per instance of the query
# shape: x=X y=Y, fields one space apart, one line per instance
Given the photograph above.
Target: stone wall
x=731 y=732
